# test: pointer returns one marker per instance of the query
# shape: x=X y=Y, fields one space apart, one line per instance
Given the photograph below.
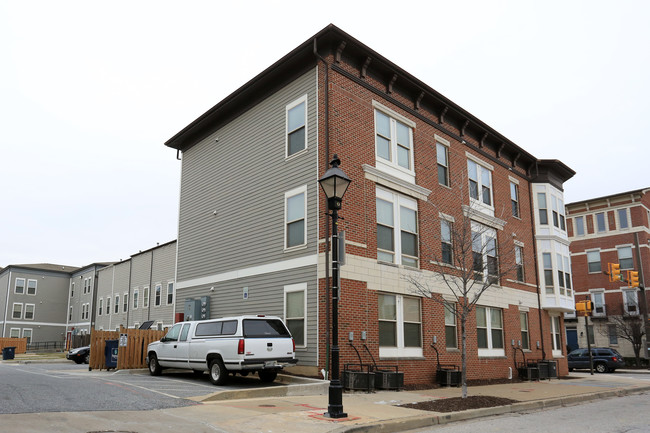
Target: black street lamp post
x=334 y=183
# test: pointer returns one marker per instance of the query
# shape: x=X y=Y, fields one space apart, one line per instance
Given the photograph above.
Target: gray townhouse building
x=81 y=299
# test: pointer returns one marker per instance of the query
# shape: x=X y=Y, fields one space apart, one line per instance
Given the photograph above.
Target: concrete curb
x=423 y=421
x=295 y=386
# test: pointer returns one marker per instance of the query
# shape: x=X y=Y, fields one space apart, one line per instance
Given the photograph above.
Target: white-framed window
x=612 y=333
x=622 y=219
x=31 y=287
x=451 y=328
x=29 y=311
x=170 y=293
x=400 y=326
x=136 y=293
x=480 y=183
x=598 y=298
x=558 y=213
x=296 y=126
x=100 y=306
x=125 y=303
x=519 y=263
x=525 y=336
x=108 y=305
x=560 y=274
x=394 y=139
x=556 y=336
x=17 y=311
x=485 y=254
x=580 y=226
x=85 y=285
x=19 y=287
x=600 y=222
x=542 y=206
x=27 y=333
x=514 y=199
x=145 y=297
x=489 y=329
x=70 y=313
x=547 y=260
x=567 y=276
x=157 y=295
x=631 y=302
x=625 y=258
x=397 y=228
x=83 y=311
x=72 y=290
x=442 y=157
x=117 y=304
x=14 y=333
x=593 y=262
x=295 y=312
x=447 y=250
x=295 y=217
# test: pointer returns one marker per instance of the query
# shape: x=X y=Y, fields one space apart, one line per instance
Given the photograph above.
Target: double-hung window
x=514 y=199
x=125 y=303
x=543 y=208
x=400 y=326
x=108 y=305
x=136 y=293
x=27 y=333
x=631 y=302
x=622 y=219
x=17 y=312
x=296 y=114
x=625 y=258
x=295 y=306
x=29 y=311
x=598 y=298
x=446 y=241
x=117 y=304
x=157 y=295
x=555 y=336
x=14 y=333
x=442 y=155
x=567 y=276
x=19 y=287
x=70 y=313
x=548 y=273
x=600 y=222
x=31 y=287
x=394 y=141
x=295 y=212
x=580 y=226
x=484 y=253
x=612 y=332
x=519 y=262
x=560 y=274
x=525 y=337
x=72 y=290
x=480 y=183
x=593 y=261
x=397 y=228
x=451 y=333
x=489 y=328
x=145 y=297
x=100 y=307
x=170 y=293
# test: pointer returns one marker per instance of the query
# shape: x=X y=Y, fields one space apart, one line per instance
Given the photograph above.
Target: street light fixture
x=335 y=183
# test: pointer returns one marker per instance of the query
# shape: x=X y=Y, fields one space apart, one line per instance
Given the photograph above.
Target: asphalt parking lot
x=64 y=386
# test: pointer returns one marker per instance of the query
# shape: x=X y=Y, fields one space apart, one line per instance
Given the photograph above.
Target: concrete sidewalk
x=249 y=412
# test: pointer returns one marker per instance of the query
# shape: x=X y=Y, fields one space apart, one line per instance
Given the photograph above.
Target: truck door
x=167 y=352
x=182 y=350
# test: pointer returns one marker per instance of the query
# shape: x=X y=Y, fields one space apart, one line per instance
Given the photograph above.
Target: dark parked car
x=79 y=355
x=604 y=358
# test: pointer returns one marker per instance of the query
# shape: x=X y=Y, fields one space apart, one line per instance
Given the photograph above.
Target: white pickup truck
x=242 y=344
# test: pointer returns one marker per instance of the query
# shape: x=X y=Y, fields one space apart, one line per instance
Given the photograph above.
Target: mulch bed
x=456 y=404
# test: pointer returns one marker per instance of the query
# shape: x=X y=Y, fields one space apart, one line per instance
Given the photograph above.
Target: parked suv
x=605 y=359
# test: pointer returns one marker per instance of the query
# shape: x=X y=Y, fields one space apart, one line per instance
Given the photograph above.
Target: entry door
x=572 y=339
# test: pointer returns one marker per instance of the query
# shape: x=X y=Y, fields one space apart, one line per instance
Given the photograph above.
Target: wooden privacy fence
x=130 y=356
x=19 y=343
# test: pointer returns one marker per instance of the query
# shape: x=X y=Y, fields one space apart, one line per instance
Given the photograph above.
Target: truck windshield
x=264 y=328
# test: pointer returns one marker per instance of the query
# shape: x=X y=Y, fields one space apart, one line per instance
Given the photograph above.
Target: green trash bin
x=8 y=353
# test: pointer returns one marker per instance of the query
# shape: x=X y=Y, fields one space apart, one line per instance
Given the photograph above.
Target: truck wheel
x=218 y=373
x=154 y=368
x=600 y=368
x=267 y=376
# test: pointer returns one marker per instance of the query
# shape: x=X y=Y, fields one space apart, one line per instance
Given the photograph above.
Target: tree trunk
x=463 y=356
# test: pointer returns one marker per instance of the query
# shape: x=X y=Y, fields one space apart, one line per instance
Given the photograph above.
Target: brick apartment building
x=253 y=235
x=611 y=229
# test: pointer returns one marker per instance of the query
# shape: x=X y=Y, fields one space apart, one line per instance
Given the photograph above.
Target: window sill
x=452 y=350
x=402 y=358
x=297 y=154
x=296 y=248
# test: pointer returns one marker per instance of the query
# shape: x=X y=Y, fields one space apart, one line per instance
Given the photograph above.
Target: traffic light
x=633 y=278
x=583 y=308
x=614 y=272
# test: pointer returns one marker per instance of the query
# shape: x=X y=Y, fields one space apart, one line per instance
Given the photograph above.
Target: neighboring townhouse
x=603 y=230
x=253 y=233
x=34 y=301
x=81 y=300
x=138 y=290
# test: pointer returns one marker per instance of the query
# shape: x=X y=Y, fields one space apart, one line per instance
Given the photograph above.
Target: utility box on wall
x=192 y=309
x=204 y=308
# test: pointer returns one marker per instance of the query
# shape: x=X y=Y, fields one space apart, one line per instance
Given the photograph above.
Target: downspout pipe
x=328 y=288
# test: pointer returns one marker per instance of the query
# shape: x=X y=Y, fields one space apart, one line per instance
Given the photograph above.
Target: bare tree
x=472 y=258
x=628 y=326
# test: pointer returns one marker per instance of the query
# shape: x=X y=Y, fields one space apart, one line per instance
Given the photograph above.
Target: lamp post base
x=335 y=406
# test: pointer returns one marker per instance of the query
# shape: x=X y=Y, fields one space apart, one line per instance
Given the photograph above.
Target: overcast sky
x=90 y=91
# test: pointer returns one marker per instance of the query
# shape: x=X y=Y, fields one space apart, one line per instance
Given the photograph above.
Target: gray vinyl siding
x=4 y=293
x=265 y=296
x=79 y=299
x=164 y=266
x=104 y=289
x=113 y=280
x=232 y=190
x=140 y=278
